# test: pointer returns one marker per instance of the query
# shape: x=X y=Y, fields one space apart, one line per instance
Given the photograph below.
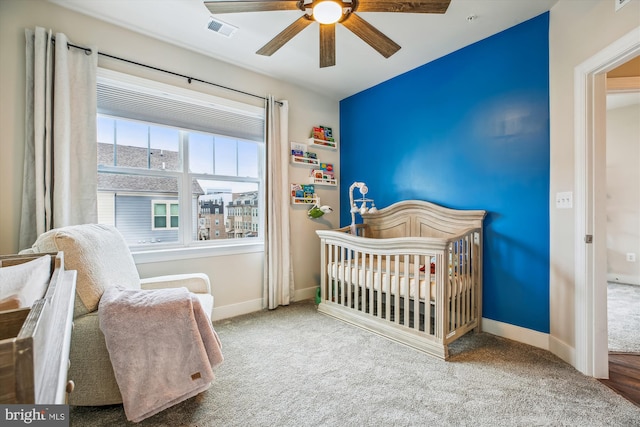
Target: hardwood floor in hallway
x=624 y=375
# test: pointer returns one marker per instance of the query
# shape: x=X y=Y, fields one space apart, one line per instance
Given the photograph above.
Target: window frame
x=168 y=216
x=188 y=246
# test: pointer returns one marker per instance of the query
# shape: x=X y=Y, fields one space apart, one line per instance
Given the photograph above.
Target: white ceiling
x=423 y=37
x=623 y=99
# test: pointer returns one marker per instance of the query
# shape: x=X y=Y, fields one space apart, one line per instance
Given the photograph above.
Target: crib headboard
x=417 y=218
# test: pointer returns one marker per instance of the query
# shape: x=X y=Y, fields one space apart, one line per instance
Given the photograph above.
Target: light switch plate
x=620 y=3
x=564 y=200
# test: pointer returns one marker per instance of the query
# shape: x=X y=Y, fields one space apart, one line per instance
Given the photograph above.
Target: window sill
x=141 y=256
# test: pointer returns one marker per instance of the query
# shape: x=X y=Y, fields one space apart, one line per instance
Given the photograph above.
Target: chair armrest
x=198 y=283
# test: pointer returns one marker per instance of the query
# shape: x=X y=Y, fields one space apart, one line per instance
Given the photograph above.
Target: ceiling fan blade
x=416 y=6
x=372 y=36
x=233 y=6
x=285 y=35
x=327 y=45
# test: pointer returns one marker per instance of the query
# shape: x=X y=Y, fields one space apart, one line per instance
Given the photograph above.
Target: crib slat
x=326 y=281
x=346 y=255
x=406 y=290
x=336 y=282
x=463 y=272
x=325 y=273
x=454 y=289
x=378 y=279
x=364 y=284
x=474 y=277
x=353 y=280
x=371 y=287
x=416 y=292
x=467 y=282
x=396 y=290
x=339 y=257
x=356 y=285
x=458 y=305
x=457 y=276
x=472 y=281
x=443 y=300
x=450 y=290
x=427 y=297
x=387 y=286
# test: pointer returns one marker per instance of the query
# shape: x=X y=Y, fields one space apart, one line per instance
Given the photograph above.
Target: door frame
x=590 y=291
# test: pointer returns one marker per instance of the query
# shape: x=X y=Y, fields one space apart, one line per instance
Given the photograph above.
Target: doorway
x=623 y=229
x=623 y=207
x=591 y=348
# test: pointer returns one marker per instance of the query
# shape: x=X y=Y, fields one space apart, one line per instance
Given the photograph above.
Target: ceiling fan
x=327 y=13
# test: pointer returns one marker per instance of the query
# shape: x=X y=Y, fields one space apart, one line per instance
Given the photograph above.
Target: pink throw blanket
x=162 y=347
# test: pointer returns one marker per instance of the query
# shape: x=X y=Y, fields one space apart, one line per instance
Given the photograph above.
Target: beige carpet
x=623 y=313
x=295 y=367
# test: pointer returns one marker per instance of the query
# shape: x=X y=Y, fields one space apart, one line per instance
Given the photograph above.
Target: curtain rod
x=189 y=79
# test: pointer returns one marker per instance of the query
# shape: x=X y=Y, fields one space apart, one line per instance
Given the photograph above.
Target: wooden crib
x=411 y=272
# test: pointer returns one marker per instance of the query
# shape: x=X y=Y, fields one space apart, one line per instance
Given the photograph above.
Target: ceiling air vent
x=221 y=27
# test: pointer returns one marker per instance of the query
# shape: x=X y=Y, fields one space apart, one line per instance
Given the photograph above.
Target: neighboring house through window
x=178 y=168
x=165 y=214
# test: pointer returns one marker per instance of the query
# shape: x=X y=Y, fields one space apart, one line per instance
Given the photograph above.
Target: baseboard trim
x=626 y=279
x=232 y=310
x=305 y=294
x=246 y=307
x=562 y=350
x=516 y=333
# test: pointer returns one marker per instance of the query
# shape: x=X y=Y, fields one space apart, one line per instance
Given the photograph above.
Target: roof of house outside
x=137 y=157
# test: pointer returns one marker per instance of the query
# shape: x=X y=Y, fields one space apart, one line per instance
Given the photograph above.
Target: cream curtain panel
x=278 y=283
x=60 y=159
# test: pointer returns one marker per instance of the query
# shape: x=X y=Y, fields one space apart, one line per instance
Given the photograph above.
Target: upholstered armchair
x=102 y=259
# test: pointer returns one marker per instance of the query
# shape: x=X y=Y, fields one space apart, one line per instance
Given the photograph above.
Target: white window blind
x=125 y=96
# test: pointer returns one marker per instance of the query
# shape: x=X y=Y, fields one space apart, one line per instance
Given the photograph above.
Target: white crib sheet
x=388 y=280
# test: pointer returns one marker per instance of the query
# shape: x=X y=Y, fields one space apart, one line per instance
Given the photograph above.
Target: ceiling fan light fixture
x=327 y=12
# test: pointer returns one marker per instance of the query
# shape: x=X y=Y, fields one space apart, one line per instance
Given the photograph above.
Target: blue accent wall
x=468 y=131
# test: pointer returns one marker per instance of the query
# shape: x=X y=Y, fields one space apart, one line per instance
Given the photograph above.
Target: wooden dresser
x=34 y=342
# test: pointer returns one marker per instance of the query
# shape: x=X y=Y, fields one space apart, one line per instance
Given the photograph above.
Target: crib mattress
x=387 y=281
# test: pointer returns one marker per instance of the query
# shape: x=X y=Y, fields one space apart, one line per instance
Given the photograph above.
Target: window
x=165 y=214
x=175 y=166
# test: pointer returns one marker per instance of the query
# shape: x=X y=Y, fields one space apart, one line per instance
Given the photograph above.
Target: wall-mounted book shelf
x=320 y=181
x=304 y=200
x=323 y=143
x=307 y=161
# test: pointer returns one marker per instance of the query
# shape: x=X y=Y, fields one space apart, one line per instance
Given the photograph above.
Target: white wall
x=578 y=30
x=237 y=280
x=623 y=193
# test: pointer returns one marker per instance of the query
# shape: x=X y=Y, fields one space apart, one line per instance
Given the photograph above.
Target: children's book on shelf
x=328 y=133
x=322 y=133
x=300 y=154
x=327 y=167
x=298 y=149
x=318 y=133
x=324 y=173
x=303 y=191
